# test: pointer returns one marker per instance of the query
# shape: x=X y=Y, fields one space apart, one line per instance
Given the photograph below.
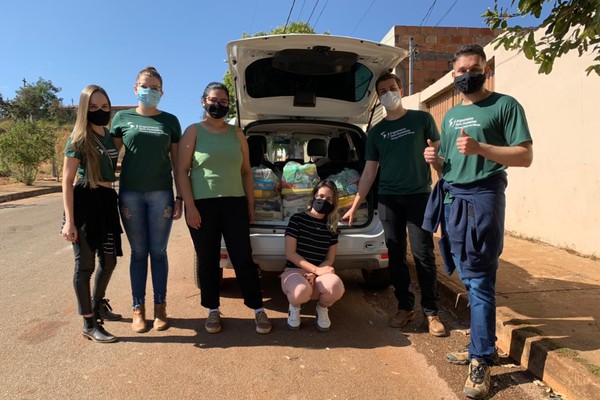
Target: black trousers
x=399 y=213
x=227 y=217
x=84 y=268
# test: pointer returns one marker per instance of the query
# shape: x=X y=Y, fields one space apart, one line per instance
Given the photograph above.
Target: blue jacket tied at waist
x=473 y=230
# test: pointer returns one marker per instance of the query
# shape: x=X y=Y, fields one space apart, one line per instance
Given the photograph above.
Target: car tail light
x=384 y=256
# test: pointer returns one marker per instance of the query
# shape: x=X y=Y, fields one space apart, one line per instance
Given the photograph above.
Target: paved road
x=44 y=356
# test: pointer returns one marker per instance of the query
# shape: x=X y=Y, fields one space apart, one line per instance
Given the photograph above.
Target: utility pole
x=24 y=82
x=411 y=60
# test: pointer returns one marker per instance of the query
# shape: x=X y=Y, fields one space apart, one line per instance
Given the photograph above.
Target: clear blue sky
x=78 y=42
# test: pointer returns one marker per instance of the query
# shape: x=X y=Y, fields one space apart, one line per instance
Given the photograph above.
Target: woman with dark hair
x=310 y=244
x=91 y=217
x=146 y=198
x=217 y=186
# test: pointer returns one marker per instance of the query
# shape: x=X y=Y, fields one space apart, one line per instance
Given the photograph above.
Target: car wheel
x=377 y=278
x=197 y=274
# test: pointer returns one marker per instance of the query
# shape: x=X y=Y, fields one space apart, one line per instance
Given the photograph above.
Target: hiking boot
x=263 y=325
x=323 y=322
x=293 y=320
x=160 y=317
x=138 y=322
x=96 y=332
x=401 y=318
x=213 y=322
x=105 y=310
x=477 y=385
x=436 y=328
x=461 y=356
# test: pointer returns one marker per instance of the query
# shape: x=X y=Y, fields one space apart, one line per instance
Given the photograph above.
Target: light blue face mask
x=148 y=97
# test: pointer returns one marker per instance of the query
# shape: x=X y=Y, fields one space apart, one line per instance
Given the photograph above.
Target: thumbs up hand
x=466 y=144
x=430 y=153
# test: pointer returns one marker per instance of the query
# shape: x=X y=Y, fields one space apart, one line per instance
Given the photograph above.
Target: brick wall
x=434 y=49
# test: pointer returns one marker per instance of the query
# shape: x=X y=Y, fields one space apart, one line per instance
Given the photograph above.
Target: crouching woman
x=310 y=244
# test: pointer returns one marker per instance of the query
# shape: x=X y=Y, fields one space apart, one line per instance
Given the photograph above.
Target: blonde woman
x=91 y=218
x=310 y=245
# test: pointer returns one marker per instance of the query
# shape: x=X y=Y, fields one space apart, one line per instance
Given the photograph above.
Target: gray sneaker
x=213 y=322
x=263 y=325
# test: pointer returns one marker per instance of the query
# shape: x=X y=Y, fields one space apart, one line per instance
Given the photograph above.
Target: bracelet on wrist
x=178 y=198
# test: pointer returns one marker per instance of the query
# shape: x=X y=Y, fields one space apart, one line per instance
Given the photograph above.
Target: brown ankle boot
x=160 y=317
x=138 y=322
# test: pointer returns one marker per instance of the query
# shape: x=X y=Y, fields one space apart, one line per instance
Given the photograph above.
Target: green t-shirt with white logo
x=498 y=120
x=398 y=146
x=108 y=157
x=147 y=139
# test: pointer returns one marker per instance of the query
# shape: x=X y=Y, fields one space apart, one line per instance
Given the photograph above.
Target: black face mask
x=469 y=82
x=98 y=117
x=322 y=206
x=216 y=110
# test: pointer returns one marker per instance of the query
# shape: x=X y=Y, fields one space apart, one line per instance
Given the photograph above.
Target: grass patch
x=574 y=354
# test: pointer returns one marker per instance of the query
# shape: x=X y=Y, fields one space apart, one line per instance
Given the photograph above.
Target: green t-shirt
x=398 y=147
x=217 y=165
x=108 y=157
x=147 y=139
x=497 y=120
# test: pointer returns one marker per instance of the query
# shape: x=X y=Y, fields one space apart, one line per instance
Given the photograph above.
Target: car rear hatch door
x=305 y=76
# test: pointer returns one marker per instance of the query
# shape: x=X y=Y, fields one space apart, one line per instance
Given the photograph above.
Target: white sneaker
x=293 y=320
x=323 y=322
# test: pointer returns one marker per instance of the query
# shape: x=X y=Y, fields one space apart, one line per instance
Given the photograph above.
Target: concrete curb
x=29 y=193
x=563 y=373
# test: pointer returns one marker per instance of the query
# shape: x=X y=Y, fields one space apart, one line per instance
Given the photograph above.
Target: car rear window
x=265 y=80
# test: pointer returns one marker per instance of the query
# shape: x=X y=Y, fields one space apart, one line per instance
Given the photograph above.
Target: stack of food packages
x=267 y=201
x=297 y=184
x=347 y=184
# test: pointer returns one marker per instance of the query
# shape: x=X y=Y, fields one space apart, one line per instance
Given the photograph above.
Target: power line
x=319 y=17
x=311 y=13
x=427 y=14
x=289 y=15
x=446 y=13
x=301 y=9
x=363 y=17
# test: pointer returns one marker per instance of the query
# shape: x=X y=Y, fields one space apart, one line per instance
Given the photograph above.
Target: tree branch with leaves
x=571 y=25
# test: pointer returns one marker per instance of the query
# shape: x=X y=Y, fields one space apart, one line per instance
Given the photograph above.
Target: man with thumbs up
x=481 y=136
x=395 y=146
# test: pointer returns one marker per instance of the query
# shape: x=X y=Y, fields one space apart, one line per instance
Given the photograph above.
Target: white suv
x=302 y=97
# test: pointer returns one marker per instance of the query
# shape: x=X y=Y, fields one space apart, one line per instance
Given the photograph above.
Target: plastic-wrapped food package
x=346 y=181
x=267 y=200
x=297 y=183
x=298 y=176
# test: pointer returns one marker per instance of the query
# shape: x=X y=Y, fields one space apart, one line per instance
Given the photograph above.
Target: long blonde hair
x=82 y=138
x=333 y=218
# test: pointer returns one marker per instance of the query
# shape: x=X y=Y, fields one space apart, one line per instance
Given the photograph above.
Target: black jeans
x=227 y=216
x=397 y=214
x=84 y=268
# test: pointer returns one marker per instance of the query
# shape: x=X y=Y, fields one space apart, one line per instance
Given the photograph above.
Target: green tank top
x=217 y=164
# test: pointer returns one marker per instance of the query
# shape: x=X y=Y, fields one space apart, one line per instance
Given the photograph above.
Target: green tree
x=24 y=146
x=293 y=27
x=35 y=102
x=571 y=24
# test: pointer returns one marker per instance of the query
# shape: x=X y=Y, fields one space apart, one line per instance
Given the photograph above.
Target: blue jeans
x=482 y=302
x=147 y=218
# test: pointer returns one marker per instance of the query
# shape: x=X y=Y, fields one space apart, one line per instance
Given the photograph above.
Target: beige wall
x=557 y=199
